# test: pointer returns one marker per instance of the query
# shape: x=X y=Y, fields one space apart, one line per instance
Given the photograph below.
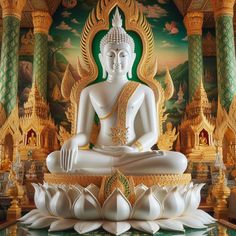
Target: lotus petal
x=147 y=207
x=83 y=227
x=93 y=189
x=160 y=194
x=173 y=204
x=73 y=193
x=140 y=189
x=116 y=228
x=41 y=198
x=191 y=222
x=192 y=198
x=199 y=218
x=204 y=215
x=145 y=226
x=170 y=225
x=87 y=207
x=31 y=219
x=62 y=224
x=116 y=207
x=60 y=204
x=30 y=214
x=43 y=222
x=37 y=190
x=182 y=189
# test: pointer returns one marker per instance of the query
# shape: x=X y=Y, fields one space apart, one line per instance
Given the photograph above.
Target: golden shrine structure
x=38 y=128
x=196 y=129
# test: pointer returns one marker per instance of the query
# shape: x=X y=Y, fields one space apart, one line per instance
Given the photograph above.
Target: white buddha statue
x=128 y=118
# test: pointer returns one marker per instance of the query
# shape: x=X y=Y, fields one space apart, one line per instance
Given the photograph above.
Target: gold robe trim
x=119 y=133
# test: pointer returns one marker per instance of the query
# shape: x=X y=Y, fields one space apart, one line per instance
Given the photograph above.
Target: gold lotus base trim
x=148 y=180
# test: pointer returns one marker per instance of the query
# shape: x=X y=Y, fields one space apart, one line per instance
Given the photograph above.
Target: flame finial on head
x=117 y=21
x=117 y=33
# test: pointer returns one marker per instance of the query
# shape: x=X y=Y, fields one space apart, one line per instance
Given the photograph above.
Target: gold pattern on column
x=12 y=8
x=193 y=22
x=223 y=7
x=42 y=21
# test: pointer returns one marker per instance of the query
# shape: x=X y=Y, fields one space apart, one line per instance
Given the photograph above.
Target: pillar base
x=14 y=212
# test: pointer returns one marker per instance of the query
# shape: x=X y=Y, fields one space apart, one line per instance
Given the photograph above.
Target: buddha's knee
x=178 y=161
x=53 y=162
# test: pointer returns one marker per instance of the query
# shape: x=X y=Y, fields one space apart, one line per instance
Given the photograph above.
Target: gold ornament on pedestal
x=221 y=193
x=220 y=190
x=15 y=191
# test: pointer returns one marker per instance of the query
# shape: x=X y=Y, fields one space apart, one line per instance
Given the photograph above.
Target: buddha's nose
x=116 y=63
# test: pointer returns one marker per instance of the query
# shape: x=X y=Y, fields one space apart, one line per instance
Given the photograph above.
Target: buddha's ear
x=132 y=63
x=104 y=73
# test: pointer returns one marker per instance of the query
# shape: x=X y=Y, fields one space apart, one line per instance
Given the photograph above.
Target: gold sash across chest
x=120 y=132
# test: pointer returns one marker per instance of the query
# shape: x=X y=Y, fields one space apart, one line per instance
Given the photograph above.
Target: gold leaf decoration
x=169 y=85
x=67 y=83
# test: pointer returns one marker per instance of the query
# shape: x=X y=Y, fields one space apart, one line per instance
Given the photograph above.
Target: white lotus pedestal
x=145 y=203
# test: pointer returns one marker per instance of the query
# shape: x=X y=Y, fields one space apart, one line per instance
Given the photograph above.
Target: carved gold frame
x=87 y=68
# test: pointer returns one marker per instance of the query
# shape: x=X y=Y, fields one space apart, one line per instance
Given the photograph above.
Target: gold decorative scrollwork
x=148 y=180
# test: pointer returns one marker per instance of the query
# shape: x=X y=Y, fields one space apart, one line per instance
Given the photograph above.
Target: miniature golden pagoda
x=39 y=130
x=196 y=129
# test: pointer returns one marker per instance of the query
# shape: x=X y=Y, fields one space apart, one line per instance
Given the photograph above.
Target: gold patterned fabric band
x=119 y=133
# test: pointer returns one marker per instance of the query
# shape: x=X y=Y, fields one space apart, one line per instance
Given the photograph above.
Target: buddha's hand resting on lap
x=69 y=151
x=115 y=150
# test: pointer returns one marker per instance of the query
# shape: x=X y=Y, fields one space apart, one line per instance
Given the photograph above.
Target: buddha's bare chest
x=106 y=101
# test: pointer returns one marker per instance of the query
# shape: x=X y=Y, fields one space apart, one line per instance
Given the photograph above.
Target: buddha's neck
x=117 y=79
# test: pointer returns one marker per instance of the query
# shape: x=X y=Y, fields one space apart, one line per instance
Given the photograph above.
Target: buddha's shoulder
x=92 y=87
x=145 y=88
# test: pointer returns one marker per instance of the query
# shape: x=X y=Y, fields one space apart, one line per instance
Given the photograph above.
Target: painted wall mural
x=171 y=48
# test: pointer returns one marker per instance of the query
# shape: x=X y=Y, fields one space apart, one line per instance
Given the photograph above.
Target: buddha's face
x=117 y=59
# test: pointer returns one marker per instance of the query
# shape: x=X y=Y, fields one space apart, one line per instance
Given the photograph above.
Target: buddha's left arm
x=149 y=121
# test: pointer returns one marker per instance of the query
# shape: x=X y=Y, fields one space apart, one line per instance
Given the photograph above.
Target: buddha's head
x=117 y=50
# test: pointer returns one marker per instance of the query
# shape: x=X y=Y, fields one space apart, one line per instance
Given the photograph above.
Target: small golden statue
x=32 y=139
x=202 y=139
x=166 y=140
x=5 y=164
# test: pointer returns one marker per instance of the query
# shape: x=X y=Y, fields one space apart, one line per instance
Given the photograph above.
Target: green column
x=193 y=22
x=225 y=49
x=42 y=21
x=9 y=53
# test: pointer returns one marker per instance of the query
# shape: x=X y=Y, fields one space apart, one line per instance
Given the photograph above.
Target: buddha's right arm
x=85 y=115
x=85 y=119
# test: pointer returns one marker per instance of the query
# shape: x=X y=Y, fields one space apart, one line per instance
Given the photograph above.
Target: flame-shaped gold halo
x=135 y=21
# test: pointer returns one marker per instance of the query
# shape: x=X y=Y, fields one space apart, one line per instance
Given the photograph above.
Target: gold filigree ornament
x=97 y=21
x=148 y=180
x=116 y=181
